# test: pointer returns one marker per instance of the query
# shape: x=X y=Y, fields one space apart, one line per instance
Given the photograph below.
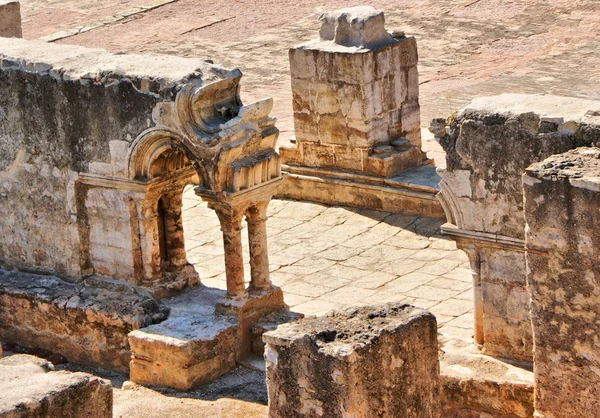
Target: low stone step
x=474 y=385
x=31 y=388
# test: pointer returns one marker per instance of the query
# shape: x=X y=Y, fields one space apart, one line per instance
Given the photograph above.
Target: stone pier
x=372 y=361
x=488 y=146
x=10 y=19
x=357 y=118
x=562 y=202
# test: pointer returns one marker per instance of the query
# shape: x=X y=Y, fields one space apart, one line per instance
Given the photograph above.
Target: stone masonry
x=114 y=190
x=10 y=19
x=489 y=144
x=31 y=388
x=356 y=115
x=562 y=198
x=363 y=362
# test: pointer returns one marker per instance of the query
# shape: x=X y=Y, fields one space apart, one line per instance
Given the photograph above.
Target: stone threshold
x=476 y=385
x=411 y=193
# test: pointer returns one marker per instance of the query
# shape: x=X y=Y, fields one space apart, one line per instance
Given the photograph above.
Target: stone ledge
x=410 y=193
x=30 y=388
x=473 y=385
x=87 y=325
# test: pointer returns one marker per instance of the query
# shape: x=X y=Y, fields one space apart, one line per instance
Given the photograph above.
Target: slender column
x=475 y=260
x=259 y=252
x=174 y=231
x=231 y=226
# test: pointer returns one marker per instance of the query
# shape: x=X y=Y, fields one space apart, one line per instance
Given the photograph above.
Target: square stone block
x=373 y=361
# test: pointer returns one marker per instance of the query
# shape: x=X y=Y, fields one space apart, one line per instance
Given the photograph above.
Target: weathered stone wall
x=563 y=277
x=10 y=19
x=31 y=388
x=364 y=362
x=86 y=324
x=65 y=113
x=489 y=144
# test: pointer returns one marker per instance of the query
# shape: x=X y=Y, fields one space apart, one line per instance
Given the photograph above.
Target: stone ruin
x=105 y=144
x=357 y=118
x=488 y=146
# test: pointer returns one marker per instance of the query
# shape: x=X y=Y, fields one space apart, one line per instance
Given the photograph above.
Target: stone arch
x=160 y=151
x=164 y=163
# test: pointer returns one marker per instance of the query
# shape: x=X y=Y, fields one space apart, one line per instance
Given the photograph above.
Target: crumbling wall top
x=580 y=166
x=341 y=333
x=152 y=73
x=556 y=109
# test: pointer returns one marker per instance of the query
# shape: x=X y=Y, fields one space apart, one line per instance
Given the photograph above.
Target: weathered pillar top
x=580 y=166
x=360 y=26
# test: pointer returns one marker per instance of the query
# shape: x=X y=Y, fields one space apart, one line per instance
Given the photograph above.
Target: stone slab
x=30 y=388
x=477 y=386
x=411 y=193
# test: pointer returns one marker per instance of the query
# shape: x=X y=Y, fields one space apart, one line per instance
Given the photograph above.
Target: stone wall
x=10 y=19
x=562 y=200
x=489 y=144
x=372 y=361
x=70 y=121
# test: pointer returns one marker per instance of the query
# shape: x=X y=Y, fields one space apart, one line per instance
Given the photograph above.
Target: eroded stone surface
x=30 y=388
x=86 y=324
x=371 y=361
x=489 y=144
x=561 y=210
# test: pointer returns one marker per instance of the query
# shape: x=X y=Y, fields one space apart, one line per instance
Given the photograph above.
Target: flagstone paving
x=327 y=258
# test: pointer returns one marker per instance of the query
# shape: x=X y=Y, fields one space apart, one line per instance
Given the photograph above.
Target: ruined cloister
x=351 y=245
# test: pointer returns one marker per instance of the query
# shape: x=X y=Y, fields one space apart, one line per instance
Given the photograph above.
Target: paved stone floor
x=327 y=258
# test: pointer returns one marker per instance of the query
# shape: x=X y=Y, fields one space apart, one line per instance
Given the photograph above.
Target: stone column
x=259 y=251
x=562 y=202
x=475 y=263
x=231 y=225
x=10 y=19
x=174 y=230
x=366 y=362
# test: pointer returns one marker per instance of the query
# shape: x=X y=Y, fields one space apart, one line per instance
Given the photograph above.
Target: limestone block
x=372 y=361
x=354 y=26
x=10 y=19
x=351 y=89
x=31 y=388
x=563 y=280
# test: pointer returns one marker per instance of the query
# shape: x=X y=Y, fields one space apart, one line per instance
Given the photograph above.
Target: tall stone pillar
x=357 y=117
x=562 y=211
x=10 y=19
x=259 y=251
x=231 y=225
